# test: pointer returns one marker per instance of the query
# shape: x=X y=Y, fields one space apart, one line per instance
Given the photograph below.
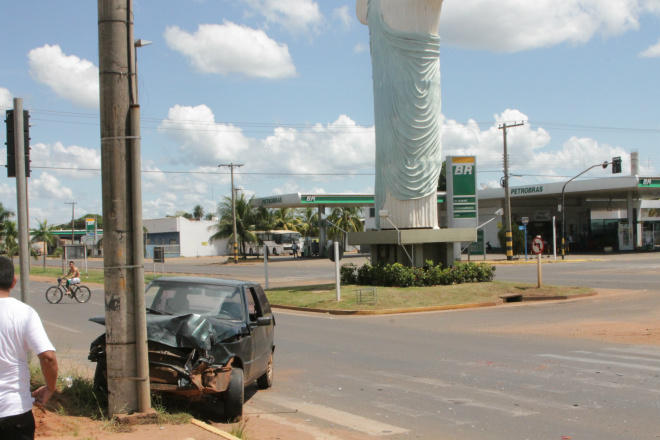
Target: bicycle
x=54 y=294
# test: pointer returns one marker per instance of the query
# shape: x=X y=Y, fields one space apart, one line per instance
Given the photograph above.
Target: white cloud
x=6 y=98
x=343 y=15
x=74 y=156
x=48 y=187
x=297 y=16
x=342 y=145
x=359 y=48
x=201 y=140
x=530 y=150
x=231 y=48
x=514 y=25
x=652 y=52
x=69 y=77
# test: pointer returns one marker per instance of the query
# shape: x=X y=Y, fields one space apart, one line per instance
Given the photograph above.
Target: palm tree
x=309 y=218
x=285 y=219
x=349 y=219
x=198 y=212
x=10 y=237
x=5 y=215
x=264 y=219
x=44 y=233
x=245 y=222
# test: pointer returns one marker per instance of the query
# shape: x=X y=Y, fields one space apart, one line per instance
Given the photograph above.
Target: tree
x=198 y=212
x=5 y=215
x=81 y=222
x=10 y=242
x=285 y=219
x=245 y=220
x=264 y=219
x=309 y=219
x=517 y=236
x=442 y=179
x=349 y=219
x=45 y=234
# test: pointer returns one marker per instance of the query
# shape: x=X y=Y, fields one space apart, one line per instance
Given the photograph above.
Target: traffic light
x=616 y=165
x=11 y=155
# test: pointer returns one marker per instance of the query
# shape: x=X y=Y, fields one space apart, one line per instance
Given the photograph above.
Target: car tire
x=265 y=381
x=233 y=399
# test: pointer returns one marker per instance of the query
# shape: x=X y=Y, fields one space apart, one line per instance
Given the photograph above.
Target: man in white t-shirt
x=21 y=330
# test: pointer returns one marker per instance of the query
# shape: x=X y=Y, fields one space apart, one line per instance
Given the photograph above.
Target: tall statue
x=405 y=57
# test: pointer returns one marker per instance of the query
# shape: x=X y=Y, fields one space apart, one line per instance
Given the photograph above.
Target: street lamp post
x=563 y=210
x=233 y=206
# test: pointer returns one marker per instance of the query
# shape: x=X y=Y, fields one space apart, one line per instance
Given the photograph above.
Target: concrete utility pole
x=126 y=334
x=73 y=216
x=233 y=207
x=507 y=195
x=22 y=201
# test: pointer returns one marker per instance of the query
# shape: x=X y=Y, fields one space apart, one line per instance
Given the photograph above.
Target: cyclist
x=75 y=276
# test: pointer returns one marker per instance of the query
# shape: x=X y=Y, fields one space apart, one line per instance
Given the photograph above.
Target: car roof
x=204 y=280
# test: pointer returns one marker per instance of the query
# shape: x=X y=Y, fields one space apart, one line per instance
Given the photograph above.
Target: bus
x=278 y=242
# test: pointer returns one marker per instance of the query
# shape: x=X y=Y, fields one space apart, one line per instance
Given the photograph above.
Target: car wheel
x=265 y=381
x=234 y=396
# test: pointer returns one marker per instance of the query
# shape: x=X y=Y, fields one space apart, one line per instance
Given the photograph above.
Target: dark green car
x=206 y=336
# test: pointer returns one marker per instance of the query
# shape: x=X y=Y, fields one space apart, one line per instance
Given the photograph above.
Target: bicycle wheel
x=82 y=294
x=53 y=295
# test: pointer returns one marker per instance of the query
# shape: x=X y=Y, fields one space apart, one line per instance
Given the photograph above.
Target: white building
x=183 y=238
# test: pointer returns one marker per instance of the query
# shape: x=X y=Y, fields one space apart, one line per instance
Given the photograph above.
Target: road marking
x=649 y=351
x=69 y=329
x=362 y=424
x=463 y=389
x=600 y=362
x=307 y=429
x=618 y=356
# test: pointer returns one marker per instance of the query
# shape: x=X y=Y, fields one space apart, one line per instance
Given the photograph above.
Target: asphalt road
x=445 y=375
x=448 y=375
x=621 y=271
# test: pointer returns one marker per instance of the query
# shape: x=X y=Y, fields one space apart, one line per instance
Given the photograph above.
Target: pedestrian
x=294 y=248
x=21 y=330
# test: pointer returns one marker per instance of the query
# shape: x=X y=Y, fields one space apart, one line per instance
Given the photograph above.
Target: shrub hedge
x=398 y=275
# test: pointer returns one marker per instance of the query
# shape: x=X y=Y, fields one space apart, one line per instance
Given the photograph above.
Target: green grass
x=76 y=396
x=93 y=276
x=324 y=296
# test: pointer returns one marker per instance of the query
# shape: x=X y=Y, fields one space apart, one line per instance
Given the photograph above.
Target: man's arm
x=48 y=362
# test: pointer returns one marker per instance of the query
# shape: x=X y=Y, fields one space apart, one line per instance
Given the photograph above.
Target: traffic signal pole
x=22 y=201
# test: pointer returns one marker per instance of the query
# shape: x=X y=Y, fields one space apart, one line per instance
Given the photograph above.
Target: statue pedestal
x=413 y=247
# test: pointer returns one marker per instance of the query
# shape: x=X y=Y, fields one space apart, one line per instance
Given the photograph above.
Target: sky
x=284 y=88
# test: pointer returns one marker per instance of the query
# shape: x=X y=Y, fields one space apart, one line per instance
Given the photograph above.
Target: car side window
x=263 y=300
x=252 y=306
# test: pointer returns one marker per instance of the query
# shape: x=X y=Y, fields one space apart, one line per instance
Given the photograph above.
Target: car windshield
x=176 y=298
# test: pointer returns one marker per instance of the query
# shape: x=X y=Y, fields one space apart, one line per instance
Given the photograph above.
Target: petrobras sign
x=526 y=190
x=271 y=200
x=462 y=199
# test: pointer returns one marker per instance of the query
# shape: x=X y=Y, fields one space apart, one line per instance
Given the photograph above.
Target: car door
x=261 y=336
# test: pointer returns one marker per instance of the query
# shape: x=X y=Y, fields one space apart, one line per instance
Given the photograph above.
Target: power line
x=213 y=173
x=235 y=126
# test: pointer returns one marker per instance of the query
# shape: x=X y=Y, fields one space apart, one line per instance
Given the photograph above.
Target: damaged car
x=206 y=337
